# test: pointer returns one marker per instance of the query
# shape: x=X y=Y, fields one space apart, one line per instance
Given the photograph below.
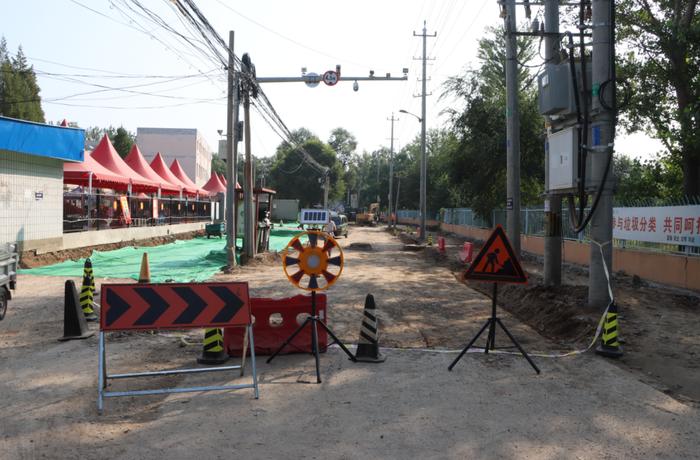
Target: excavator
x=371 y=217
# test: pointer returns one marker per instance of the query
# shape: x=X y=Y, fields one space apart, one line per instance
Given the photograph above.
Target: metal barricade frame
x=234 y=321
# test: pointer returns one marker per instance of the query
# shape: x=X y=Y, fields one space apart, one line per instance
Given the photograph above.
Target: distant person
x=330 y=227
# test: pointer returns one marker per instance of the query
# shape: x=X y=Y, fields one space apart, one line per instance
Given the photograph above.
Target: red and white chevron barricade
x=127 y=307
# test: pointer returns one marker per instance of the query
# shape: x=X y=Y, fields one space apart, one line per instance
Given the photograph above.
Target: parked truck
x=8 y=274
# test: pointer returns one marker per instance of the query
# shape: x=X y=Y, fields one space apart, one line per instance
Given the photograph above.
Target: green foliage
x=647 y=180
x=121 y=138
x=218 y=165
x=122 y=141
x=292 y=176
x=661 y=64
x=19 y=90
x=477 y=168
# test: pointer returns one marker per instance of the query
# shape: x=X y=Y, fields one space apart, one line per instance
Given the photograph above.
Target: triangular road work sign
x=496 y=261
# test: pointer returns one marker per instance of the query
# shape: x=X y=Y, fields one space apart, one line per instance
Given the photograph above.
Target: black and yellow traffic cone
x=609 y=342
x=86 y=297
x=213 y=352
x=430 y=239
x=74 y=323
x=368 y=345
x=89 y=275
x=145 y=273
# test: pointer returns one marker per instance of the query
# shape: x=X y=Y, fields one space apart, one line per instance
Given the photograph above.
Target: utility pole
x=423 y=158
x=231 y=155
x=391 y=165
x=512 y=131
x=601 y=149
x=552 y=208
x=326 y=187
x=248 y=208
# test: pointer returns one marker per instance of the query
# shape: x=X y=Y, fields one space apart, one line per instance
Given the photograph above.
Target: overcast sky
x=90 y=46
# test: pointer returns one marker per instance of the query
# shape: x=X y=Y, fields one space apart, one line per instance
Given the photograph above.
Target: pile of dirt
x=30 y=259
x=558 y=313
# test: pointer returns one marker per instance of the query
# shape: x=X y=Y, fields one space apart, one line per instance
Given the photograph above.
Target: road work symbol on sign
x=496 y=261
x=173 y=305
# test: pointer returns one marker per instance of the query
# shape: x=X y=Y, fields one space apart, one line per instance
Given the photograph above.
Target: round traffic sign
x=312 y=81
x=330 y=78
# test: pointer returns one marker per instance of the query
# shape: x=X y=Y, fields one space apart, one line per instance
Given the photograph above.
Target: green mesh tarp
x=183 y=261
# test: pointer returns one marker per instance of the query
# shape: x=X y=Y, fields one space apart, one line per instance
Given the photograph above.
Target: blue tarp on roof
x=42 y=140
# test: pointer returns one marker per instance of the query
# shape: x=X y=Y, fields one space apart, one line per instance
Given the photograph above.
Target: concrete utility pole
x=248 y=208
x=391 y=166
x=326 y=187
x=602 y=138
x=231 y=155
x=423 y=157
x=552 y=208
x=512 y=131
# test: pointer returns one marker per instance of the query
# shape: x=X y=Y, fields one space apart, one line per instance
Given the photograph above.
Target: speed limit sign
x=330 y=78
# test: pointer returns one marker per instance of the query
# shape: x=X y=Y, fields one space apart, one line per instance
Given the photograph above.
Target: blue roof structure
x=67 y=144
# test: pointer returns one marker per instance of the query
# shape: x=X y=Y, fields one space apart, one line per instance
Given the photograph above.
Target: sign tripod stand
x=315 y=263
x=495 y=262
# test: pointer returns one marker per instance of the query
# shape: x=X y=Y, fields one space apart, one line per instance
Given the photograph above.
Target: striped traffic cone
x=213 y=352
x=610 y=343
x=86 y=296
x=368 y=345
x=430 y=239
x=87 y=272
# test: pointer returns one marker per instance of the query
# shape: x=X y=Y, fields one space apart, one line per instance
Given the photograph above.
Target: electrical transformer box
x=562 y=151
x=556 y=90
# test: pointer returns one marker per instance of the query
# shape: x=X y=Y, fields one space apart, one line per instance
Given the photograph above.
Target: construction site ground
x=644 y=405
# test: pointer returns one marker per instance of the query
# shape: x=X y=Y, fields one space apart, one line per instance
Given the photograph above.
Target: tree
x=661 y=64
x=218 y=165
x=122 y=141
x=476 y=170
x=646 y=181
x=292 y=175
x=344 y=145
x=19 y=90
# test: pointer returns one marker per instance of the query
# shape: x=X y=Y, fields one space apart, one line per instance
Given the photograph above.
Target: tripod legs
x=289 y=339
x=491 y=342
x=314 y=321
x=469 y=345
x=515 y=342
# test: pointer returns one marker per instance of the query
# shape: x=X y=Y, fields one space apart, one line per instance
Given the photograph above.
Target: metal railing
x=83 y=212
x=532 y=222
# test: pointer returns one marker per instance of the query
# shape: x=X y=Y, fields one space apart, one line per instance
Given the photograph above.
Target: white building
x=188 y=146
x=31 y=181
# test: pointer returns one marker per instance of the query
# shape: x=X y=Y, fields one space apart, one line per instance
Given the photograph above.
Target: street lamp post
x=423 y=173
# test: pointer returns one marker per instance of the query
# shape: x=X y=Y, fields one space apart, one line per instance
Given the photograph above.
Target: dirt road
x=409 y=407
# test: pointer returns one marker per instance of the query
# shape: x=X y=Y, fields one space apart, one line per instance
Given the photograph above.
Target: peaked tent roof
x=158 y=165
x=214 y=185
x=139 y=164
x=107 y=156
x=222 y=178
x=79 y=174
x=176 y=169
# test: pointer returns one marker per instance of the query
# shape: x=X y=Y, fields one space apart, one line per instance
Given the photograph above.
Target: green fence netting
x=183 y=261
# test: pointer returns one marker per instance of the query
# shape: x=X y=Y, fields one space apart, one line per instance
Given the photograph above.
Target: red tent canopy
x=222 y=178
x=139 y=164
x=105 y=154
x=176 y=168
x=214 y=185
x=79 y=174
x=158 y=165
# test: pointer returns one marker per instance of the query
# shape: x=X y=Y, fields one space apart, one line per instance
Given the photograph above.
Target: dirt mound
x=30 y=259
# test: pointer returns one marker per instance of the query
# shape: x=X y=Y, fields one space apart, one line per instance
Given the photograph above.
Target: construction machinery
x=370 y=216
